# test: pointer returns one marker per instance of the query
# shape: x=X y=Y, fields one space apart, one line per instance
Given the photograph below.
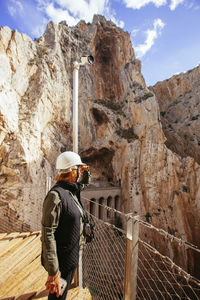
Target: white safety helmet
x=67 y=160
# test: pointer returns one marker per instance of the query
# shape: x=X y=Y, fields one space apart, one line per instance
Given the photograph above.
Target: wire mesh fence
x=104 y=262
x=158 y=276
x=167 y=267
x=23 y=215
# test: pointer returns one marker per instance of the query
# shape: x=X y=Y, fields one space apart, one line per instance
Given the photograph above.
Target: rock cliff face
x=120 y=132
x=180 y=112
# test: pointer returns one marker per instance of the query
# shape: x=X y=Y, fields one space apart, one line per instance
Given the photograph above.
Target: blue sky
x=165 y=33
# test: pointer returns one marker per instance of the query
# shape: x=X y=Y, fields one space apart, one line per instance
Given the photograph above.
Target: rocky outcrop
x=120 y=133
x=178 y=99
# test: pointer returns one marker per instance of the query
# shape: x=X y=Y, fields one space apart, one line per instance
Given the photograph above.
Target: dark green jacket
x=61 y=229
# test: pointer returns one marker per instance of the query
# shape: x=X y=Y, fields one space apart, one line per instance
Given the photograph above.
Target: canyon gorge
x=144 y=139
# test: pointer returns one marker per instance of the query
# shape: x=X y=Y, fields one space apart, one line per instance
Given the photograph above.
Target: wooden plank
x=10 y=236
x=38 y=277
x=22 y=257
x=78 y=293
x=11 y=246
x=2 y=235
x=22 y=275
x=27 y=296
x=73 y=293
x=24 y=244
x=35 y=280
x=5 y=241
x=41 y=295
x=28 y=280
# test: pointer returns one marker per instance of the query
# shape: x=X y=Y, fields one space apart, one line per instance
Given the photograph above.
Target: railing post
x=131 y=263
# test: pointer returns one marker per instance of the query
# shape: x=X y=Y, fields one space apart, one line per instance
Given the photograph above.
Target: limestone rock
x=178 y=99
x=120 y=132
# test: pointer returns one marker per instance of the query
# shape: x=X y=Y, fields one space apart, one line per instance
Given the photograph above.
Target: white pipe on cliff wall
x=84 y=61
x=75 y=106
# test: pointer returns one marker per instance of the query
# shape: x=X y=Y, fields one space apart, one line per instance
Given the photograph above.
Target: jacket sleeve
x=50 y=218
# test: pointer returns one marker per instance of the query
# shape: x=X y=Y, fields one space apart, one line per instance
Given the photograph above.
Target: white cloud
x=151 y=36
x=175 y=3
x=134 y=32
x=74 y=11
x=83 y=9
x=110 y=14
x=57 y=15
x=137 y=4
x=114 y=20
x=15 y=7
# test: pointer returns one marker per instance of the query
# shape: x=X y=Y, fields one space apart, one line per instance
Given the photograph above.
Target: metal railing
x=129 y=258
x=127 y=263
x=158 y=275
x=104 y=262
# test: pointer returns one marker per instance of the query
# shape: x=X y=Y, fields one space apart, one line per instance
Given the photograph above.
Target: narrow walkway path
x=22 y=276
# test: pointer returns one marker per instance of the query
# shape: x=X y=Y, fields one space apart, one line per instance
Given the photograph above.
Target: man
x=62 y=223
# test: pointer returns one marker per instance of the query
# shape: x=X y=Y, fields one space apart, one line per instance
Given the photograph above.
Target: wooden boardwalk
x=21 y=275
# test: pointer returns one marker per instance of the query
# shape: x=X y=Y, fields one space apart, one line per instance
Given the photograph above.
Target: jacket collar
x=73 y=187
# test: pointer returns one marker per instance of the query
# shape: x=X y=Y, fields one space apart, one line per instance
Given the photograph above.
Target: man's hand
x=53 y=284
